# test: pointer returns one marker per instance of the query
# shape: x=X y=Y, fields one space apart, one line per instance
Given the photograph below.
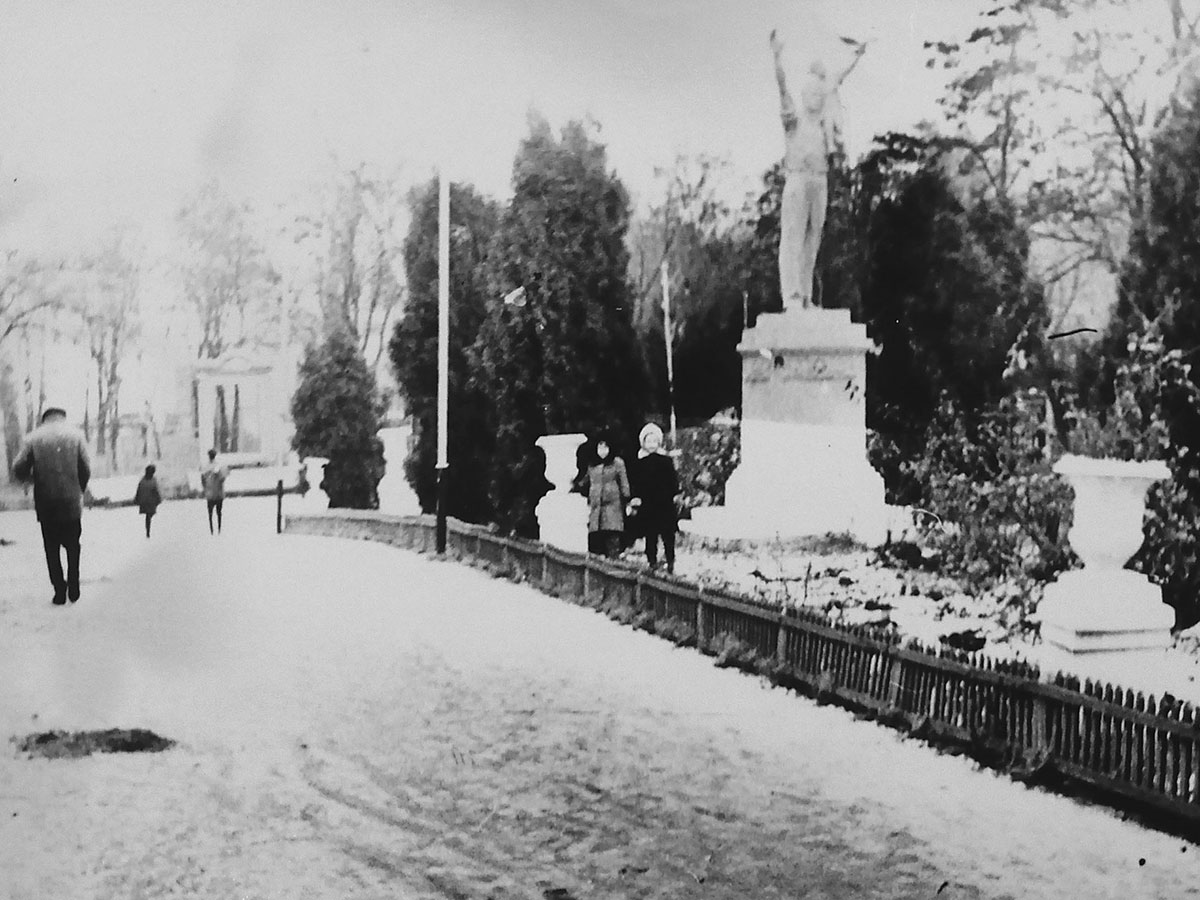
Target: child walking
x=148 y=496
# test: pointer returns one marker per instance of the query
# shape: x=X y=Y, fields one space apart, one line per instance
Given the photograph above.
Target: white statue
x=812 y=134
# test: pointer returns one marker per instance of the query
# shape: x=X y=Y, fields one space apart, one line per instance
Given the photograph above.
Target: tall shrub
x=996 y=510
x=1160 y=291
x=338 y=411
x=566 y=359
x=950 y=304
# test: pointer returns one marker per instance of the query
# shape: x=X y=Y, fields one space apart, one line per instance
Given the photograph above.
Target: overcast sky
x=114 y=111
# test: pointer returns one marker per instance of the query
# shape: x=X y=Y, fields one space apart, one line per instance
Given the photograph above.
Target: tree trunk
x=235 y=427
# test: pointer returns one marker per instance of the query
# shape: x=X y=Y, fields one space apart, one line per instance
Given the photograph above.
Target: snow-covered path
x=357 y=721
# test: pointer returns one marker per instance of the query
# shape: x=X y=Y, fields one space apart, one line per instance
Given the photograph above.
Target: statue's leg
x=792 y=216
x=816 y=198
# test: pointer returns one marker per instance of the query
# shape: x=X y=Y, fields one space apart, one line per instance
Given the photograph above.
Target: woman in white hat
x=654 y=484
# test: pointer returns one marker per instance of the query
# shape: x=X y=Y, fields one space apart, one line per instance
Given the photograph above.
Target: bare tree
x=228 y=282
x=1053 y=104
x=688 y=210
x=30 y=297
x=109 y=306
x=25 y=292
x=355 y=241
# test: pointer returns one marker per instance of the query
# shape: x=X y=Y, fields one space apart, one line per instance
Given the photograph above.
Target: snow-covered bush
x=997 y=509
x=708 y=455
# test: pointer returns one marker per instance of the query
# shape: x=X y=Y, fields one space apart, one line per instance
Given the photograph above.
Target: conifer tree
x=413 y=349
x=1160 y=296
x=564 y=358
x=338 y=411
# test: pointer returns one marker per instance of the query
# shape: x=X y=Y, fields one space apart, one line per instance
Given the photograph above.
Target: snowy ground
x=356 y=721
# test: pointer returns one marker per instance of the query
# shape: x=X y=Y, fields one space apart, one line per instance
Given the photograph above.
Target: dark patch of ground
x=74 y=744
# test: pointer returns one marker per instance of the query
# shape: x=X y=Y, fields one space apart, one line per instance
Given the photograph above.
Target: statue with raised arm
x=812 y=134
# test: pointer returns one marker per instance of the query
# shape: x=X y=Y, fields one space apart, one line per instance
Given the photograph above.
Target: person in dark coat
x=606 y=485
x=55 y=459
x=148 y=496
x=654 y=484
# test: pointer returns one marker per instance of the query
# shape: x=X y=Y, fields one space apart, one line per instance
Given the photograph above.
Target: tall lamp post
x=443 y=356
x=668 y=340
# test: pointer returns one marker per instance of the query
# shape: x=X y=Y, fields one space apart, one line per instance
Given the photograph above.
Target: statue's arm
x=859 y=50
x=787 y=105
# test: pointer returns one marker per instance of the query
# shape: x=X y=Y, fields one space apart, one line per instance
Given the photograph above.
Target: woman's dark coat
x=653 y=480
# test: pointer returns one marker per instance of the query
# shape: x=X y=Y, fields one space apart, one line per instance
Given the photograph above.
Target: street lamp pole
x=668 y=340
x=443 y=355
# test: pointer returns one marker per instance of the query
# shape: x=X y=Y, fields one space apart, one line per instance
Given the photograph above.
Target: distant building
x=239 y=405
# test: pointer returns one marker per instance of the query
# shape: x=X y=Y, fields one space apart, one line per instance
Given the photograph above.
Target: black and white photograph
x=600 y=449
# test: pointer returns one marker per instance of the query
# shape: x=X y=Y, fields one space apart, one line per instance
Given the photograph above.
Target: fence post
x=781 y=640
x=895 y=679
x=703 y=620
x=279 y=507
x=1041 y=735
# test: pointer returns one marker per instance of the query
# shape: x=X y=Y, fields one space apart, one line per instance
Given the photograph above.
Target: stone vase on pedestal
x=1104 y=606
x=562 y=516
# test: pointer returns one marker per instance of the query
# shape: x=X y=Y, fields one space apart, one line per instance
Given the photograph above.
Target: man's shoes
x=73 y=593
x=59 y=600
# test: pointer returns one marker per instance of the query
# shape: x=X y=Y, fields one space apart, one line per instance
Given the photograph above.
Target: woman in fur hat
x=606 y=485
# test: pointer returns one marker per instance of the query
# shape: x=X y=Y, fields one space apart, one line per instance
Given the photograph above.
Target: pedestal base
x=799 y=481
x=562 y=516
x=1088 y=611
x=563 y=520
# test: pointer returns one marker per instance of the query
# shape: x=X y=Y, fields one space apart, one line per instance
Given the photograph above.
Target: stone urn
x=562 y=516
x=1104 y=606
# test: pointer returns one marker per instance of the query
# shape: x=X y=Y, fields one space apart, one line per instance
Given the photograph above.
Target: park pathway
x=355 y=721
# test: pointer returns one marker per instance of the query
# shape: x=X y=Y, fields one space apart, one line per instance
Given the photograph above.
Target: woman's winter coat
x=607 y=493
x=147 y=497
x=653 y=480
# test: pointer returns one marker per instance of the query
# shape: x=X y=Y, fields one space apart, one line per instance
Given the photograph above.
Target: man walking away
x=213 y=478
x=55 y=459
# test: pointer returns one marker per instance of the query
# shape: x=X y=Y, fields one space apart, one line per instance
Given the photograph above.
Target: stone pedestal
x=804 y=468
x=395 y=494
x=562 y=516
x=1103 y=607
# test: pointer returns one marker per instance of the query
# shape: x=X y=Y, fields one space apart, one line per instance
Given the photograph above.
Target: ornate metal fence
x=1122 y=743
